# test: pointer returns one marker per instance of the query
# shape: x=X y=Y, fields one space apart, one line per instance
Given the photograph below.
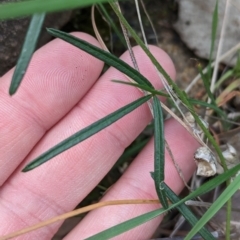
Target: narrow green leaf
x=107 y=57
x=236 y=68
x=213 y=39
x=222 y=199
x=112 y=23
x=228 y=74
x=27 y=51
x=25 y=8
x=214 y=28
x=159 y=152
x=128 y=225
x=125 y=226
x=228 y=216
x=210 y=94
x=187 y=213
x=150 y=55
x=180 y=93
x=213 y=183
x=85 y=133
x=206 y=83
x=208 y=186
x=143 y=87
x=205 y=104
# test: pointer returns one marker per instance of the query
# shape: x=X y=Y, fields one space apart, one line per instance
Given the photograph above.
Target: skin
x=62 y=93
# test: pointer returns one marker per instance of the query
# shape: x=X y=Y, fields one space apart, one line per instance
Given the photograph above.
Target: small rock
x=194 y=25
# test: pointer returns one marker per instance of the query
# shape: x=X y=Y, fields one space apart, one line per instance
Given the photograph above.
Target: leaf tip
x=30 y=166
x=50 y=30
x=12 y=90
x=26 y=169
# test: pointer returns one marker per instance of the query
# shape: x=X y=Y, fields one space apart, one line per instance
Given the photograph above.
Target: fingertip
x=57 y=78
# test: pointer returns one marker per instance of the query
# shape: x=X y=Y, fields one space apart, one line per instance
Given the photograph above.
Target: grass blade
x=207 y=105
x=112 y=23
x=149 y=54
x=25 y=8
x=222 y=199
x=143 y=87
x=187 y=213
x=159 y=152
x=27 y=51
x=213 y=39
x=108 y=58
x=213 y=183
x=181 y=94
x=85 y=133
x=206 y=82
x=126 y=226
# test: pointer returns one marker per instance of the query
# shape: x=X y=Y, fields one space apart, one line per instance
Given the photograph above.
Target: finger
x=58 y=77
x=60 y=184
x=136 y=183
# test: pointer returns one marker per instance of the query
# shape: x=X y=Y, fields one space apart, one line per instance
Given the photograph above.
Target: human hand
x=60 y=95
